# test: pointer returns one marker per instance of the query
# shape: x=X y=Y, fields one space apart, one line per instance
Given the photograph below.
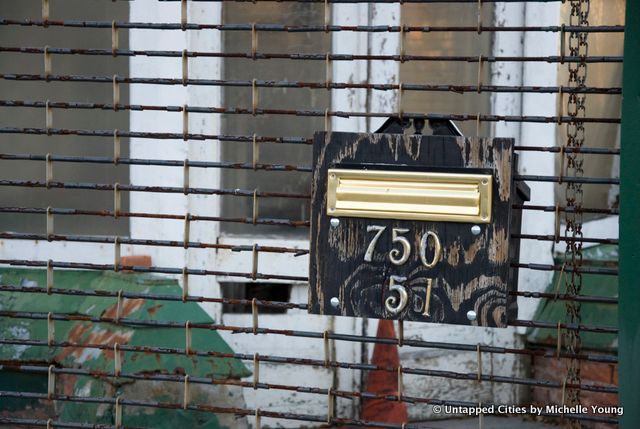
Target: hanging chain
x=578 y=47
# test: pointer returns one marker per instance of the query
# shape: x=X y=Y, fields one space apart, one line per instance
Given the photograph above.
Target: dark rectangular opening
x=260 y=291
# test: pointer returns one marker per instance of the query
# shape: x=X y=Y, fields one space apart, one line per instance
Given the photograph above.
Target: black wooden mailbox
x=414 y=227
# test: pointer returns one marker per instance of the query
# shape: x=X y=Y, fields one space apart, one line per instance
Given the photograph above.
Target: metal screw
x=335 y=302
x=471 y=315
x=475 y=229
x=334 y=222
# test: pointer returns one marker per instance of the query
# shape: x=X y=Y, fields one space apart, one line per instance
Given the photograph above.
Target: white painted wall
x=538 y=163
x=151 y=11
x=383 y=71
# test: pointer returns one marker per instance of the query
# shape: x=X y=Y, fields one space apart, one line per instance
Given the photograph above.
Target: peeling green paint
x=85 y=332
x=598 y=314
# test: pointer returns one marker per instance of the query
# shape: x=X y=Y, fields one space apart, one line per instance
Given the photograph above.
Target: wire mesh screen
x=156 y=161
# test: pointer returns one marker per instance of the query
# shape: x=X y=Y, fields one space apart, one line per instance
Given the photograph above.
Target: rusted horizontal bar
x=303 y=113
x=267 y=167
x=236 y=248
x=569 y=179
x=148 y=242
x=53 y=423
x=573 y=327
x=546 y=237
x=168 y=270
x=458 y=89
x=248 y=220
x=304 y=306
x=377 y=340
x=34 y=369
x=194 y=218
x=156 y=297
x=320 y=56
x=165 y=405
x=220 y=137
x=204 y=380
x=568 y=326
x=225 y=192
x=472 y=376
x=174 y=189
x=140 y=269
x=261 y=330
x=239 y=138
x=567 y=268
x=583 y=150
x=259 y=303
x=155 y=162
x=594 y=210
x=155 y=189
x=153 y=135
x=565 y=297
x=249 y=412
x=307 y=28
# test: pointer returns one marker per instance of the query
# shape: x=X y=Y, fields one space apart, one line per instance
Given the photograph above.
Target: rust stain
x=498 y=246
x=68 y=383
x=109 y=338
x=453 y=254
x=75 y=336
x=129 y=306
x=472 y=251
x=96 y=336
x=154 y=309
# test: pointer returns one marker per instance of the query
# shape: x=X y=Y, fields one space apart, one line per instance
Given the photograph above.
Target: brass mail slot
x=448 y=197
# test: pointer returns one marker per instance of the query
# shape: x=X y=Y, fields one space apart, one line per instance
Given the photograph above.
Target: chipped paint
x=453 y=254
x=499 y=246
x=472 y=251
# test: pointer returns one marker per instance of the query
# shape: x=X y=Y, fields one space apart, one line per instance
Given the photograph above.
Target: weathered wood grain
x=473 y=272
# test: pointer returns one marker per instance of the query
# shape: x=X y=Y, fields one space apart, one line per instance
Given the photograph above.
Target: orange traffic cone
x=384 y=382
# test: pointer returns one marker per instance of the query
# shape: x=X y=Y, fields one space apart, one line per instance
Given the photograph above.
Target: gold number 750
x=401 y=256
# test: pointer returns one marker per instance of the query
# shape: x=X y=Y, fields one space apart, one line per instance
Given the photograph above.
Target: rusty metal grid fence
x=568 y=212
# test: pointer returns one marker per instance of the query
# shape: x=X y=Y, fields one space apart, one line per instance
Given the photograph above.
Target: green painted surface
x=104 y=333
x=592 y=313
x=629 y=350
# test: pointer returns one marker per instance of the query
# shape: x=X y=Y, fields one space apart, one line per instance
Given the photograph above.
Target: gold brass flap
x=446 y=197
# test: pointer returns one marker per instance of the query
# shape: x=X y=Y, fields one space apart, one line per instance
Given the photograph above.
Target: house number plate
x=414 y=227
